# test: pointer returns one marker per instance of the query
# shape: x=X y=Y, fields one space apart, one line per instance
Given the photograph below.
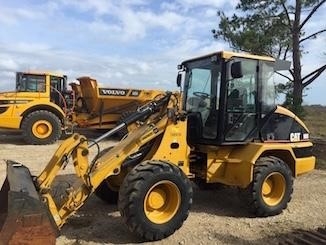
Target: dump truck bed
x=99 y=100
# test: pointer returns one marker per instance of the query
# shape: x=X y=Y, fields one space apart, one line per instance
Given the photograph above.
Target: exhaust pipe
x=24 y=218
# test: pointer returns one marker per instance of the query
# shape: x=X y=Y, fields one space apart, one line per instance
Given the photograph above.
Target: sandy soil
x=217 y=216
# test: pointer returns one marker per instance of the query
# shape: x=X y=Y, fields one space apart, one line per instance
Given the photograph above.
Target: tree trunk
x=297 y=81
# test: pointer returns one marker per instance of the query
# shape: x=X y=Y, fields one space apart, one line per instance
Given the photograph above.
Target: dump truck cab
x=51 y=87
x=43 y=95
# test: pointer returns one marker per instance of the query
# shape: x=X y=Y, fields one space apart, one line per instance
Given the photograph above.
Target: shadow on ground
x=100 y=222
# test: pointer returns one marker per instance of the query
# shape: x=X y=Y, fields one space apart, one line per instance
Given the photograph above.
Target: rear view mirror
x=179 y=78
x=236 y=69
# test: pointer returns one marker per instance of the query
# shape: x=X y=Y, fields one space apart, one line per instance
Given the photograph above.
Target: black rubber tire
x=104 y=191
x=265 y=167
x=35 y=116
x=133 y=193
x=124 y=130
x=106 y=194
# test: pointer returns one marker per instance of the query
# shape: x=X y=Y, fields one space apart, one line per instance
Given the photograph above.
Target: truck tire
x=154 y=199
x=41 y=128
x=271 y=188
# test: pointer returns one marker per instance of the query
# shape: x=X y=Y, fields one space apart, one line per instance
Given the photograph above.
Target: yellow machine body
x=16 y=105
x=257 y=147
x=54 y=108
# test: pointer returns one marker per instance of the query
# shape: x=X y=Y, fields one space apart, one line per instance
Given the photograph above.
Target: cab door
x=56 y=88
x=241 y=115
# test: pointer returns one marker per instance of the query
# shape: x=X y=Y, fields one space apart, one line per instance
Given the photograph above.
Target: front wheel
x=154 y=199
x=41 y=128
x=272 y=186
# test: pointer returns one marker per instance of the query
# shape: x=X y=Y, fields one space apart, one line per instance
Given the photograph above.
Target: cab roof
x=230 y=54
x=47 y=73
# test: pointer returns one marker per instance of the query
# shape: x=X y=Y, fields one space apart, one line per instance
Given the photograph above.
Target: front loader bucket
x=24 y=219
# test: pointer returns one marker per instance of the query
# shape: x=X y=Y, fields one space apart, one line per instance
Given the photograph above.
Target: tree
x=275 y=28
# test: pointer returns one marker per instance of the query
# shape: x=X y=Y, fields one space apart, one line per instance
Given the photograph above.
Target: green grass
x=315 y=119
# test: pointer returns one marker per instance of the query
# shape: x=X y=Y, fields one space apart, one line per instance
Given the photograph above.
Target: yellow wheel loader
x=224 y=128
x=42 y=107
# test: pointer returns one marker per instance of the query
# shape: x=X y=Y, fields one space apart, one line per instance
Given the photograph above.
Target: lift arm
x=28 y=201
x=90 y=175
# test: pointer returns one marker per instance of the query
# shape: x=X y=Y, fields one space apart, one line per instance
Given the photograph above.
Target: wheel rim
x=42 y=129
x=273 y=189
x=162 y=202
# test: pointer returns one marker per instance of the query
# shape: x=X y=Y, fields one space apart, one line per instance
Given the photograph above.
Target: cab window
x=241 y=102
x=56 y=83
x=203 y=83
x=30 y=83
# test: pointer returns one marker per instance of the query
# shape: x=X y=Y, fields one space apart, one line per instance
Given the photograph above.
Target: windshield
x=30 y=83
x=202 y=81
x=202 y=85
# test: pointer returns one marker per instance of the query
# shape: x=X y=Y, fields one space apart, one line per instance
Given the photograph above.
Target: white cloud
x=122 y=20
x=11 y=16
x=123 y=43
x=99 y=7
x=136 y=24
x=211 y=12
x=197 y=3
x=8 y=64
x=99 y=26
x=170 y=6
x=168 y=20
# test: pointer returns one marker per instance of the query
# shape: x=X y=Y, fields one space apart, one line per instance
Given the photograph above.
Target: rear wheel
x=155 y=199
x=41 y=128
x=272 y=186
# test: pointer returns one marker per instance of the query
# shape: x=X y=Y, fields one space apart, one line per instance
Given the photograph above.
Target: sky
x=126 y=43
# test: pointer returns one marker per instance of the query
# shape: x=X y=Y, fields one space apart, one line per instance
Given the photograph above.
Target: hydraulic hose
x=141 y=113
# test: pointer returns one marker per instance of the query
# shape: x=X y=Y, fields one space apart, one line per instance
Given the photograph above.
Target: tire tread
x=131 y=188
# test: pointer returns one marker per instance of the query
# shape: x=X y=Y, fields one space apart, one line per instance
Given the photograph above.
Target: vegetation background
x=315 y=120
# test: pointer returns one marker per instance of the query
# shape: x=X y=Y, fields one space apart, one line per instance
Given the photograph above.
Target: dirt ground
x=217 y=216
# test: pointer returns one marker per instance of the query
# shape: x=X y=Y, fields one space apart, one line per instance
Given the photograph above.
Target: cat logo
x=295 y=137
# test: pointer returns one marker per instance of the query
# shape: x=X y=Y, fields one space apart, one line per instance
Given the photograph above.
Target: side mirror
x=236 y=69
x=282 y=65
x=65 y=86
x=18 y=80
x=179 y=78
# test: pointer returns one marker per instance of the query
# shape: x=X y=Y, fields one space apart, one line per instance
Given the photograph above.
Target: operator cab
x=227 y=96
x=45 y=84
x=30 y=82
